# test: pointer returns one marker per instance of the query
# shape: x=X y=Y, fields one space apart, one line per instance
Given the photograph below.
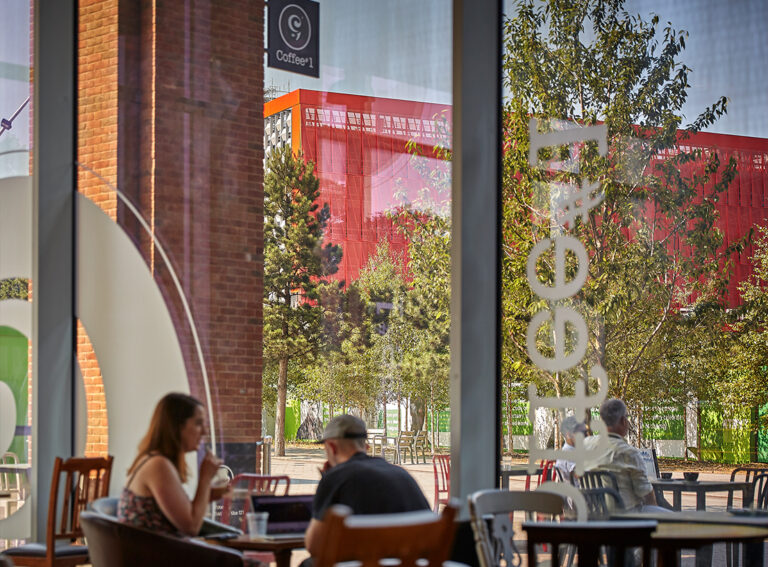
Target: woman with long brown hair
x=154 y=496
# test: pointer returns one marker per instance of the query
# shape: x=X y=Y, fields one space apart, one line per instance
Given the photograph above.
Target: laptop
x=289 y=516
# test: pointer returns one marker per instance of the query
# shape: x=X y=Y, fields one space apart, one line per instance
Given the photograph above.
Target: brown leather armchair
x=114 y=544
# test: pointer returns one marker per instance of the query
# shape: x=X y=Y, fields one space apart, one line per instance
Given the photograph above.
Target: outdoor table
x=699 y=530
x=700 y=488
x=281 y=547
x=508 y=471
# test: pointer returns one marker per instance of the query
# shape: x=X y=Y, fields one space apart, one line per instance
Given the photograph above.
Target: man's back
x=368 y=485
x=625 y=463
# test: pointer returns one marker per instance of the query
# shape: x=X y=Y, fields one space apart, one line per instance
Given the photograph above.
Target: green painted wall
x=13 y=371
x=292 y=419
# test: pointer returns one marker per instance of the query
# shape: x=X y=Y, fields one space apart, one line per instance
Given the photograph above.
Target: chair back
x=77 y=482
x=589 y=537
x=602 y=502
x=546 y=474
x=10 y=482
x=492 y=517
x=114 y=544
x=441 y=466
x=246 y=484
x=760 y=491
x=744 y=474
x=598 y=479
x=410 y=538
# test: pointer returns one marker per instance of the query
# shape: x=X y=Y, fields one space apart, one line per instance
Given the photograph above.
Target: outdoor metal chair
x=407 y=539
x=759 y=479
x=403 y=444
x=492 y=518
x=744 y=474
x=598 y=479
x=421 y=444
x=547 y=474
x=12 y=492
x=441 y=466
x=602 y=502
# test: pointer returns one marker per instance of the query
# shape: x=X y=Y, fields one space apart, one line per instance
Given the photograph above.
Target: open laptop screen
x=287 y=514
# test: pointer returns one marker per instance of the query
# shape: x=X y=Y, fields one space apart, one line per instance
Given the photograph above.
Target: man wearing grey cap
x=368 y=485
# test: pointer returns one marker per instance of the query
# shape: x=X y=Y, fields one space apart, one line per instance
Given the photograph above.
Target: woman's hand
x=208 y=467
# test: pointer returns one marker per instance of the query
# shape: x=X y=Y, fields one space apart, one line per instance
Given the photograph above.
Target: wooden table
x=281 y=548
x=508 y=471
x=699 y=530
x=700 y=488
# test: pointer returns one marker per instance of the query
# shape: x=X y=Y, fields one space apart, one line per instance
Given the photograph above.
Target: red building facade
x=359 y=146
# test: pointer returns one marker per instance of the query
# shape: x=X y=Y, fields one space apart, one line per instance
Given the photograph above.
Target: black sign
x=294 y=36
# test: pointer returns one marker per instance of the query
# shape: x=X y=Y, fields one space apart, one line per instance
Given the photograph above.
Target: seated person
x=569 y=428
x=368 y=485
x=154 y=496
x=623 y=460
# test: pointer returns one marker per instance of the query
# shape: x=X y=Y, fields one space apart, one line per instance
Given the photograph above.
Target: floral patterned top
x=143 y=511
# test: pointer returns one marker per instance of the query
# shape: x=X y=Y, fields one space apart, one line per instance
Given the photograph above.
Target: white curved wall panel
x=130 y=328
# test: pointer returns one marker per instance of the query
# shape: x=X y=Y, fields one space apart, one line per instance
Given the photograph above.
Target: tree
x=425 y=314
x=296 y=261
x=656 y=258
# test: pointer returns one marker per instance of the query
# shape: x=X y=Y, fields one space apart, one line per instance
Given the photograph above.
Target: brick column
x=188 y=79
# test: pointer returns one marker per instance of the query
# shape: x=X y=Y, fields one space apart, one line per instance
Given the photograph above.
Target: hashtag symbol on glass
x=578 y=202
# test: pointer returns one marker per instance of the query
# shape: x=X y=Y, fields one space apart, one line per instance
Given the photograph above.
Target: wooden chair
x=421 y=443
x=492 y=518
x=411 y=538
x=84 y=480
x=441 y=465
x=248 y=484
x=589 y=538
x=114 y=544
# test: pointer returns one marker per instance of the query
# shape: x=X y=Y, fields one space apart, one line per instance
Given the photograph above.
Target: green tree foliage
x=657 y=269
x=295 y=263
x=14 y=288
x=744 y=381
x=425 y=313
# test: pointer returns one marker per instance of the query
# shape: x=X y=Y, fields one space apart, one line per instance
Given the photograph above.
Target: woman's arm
x=163 y=482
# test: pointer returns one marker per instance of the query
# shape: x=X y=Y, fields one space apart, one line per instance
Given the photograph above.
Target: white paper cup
x=257 y=524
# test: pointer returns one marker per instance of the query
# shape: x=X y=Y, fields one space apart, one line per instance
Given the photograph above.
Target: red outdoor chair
x=441 y=464
x=547 y=473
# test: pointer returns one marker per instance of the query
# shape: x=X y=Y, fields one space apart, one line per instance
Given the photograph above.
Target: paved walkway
x=303 y=464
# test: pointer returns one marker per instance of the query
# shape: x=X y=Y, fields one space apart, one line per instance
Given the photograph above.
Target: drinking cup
x=257 y=524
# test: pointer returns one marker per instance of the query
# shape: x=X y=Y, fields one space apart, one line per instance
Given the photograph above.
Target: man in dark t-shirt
x=368 y=485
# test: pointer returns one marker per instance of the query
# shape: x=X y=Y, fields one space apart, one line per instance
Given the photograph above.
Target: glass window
x=635 y=143
x=16 y=291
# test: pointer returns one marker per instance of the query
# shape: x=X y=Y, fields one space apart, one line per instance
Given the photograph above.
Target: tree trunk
x=418 y=411
x=282 y=392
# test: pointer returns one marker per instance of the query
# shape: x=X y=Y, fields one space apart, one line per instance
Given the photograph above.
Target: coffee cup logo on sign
x=295 y=27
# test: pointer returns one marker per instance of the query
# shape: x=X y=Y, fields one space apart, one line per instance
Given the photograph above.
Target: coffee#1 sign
x=294 y=36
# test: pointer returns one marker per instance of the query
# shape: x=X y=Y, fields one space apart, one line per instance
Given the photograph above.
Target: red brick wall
x=171 y=97
x=97 y=149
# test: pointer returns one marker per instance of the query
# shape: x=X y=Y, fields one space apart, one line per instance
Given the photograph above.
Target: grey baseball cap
x=345 y=427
